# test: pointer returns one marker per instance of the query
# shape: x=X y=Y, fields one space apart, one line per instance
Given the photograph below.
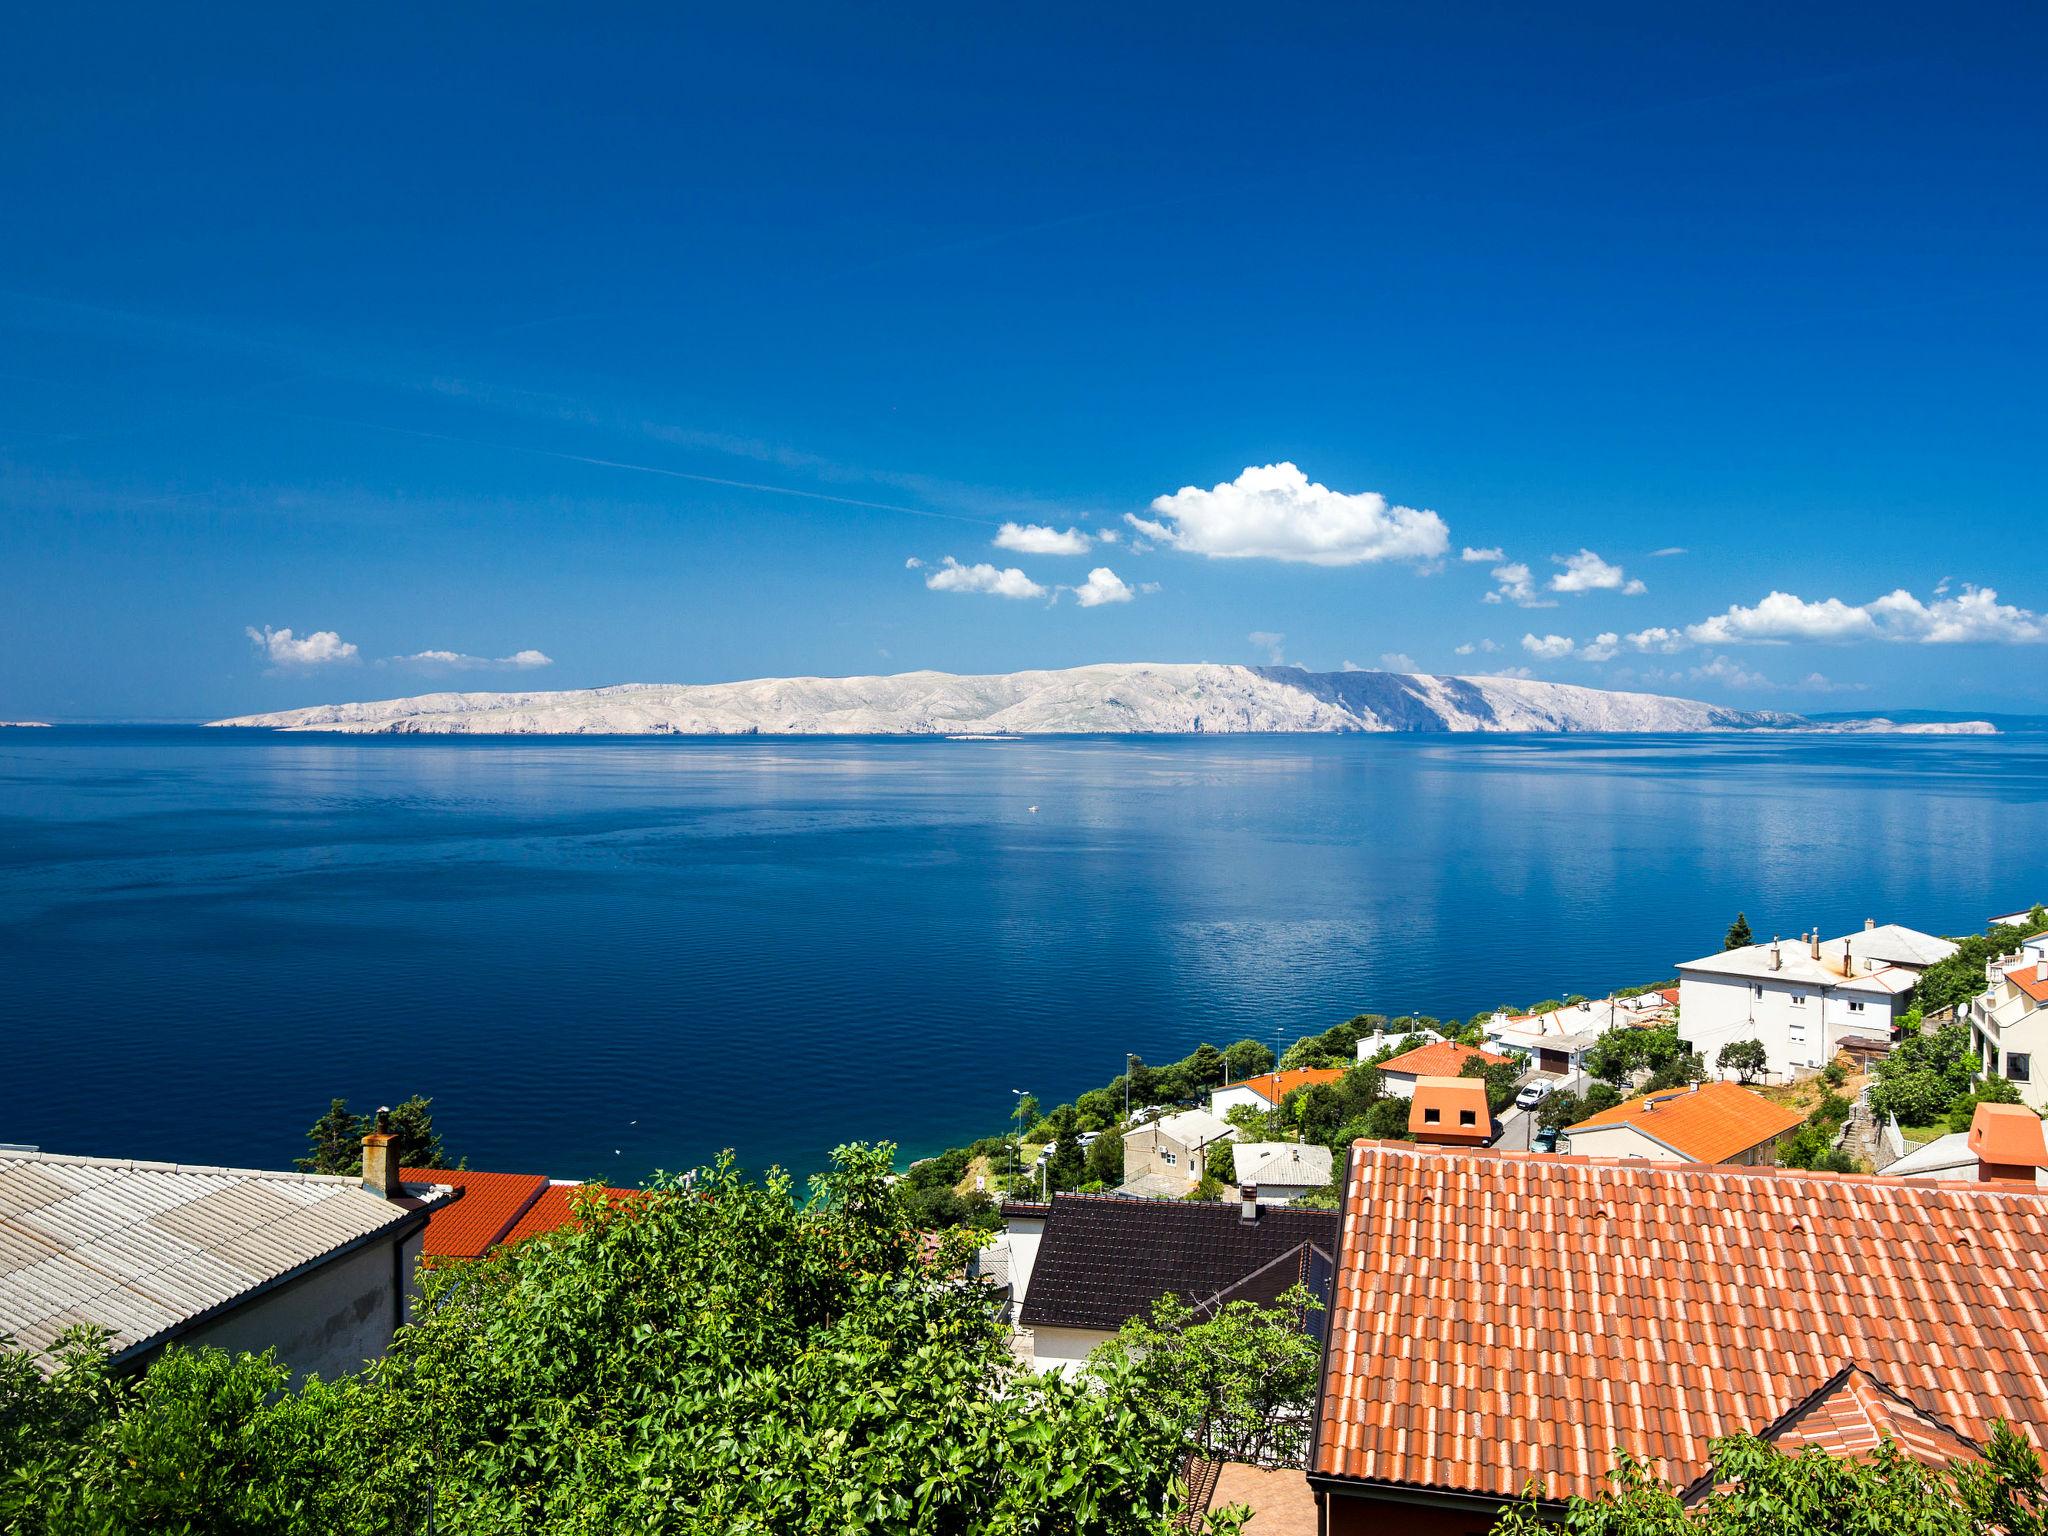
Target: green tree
x=1105 y=1164
x=337 y=1142
x=730 y=1357
x=1067 y=1164
x=1990 y=1090
x=1962 y=976
x=1738 y=935
x=419 y=1144
x=1205 y=1066
x=1222 y=1163
x=1388 y=1120
x=1923 y=1074
x=1316 y=1111
x=1236 y=1384
x=1746 y=1058
x=1760 y=1491
x=1247 y=1058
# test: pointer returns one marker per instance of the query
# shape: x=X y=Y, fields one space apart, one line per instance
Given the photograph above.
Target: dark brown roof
x=1105 y=1259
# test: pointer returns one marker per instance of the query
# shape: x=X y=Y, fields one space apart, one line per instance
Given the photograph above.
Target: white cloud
x=1274 y=645
x=282 y=648
x=1398 y=661
x=1549 y=647
x=1587 y=572
x=1516 y=586
x=1976 y=615
x=1488 y=646
x=1506 y=672
x=1781 y=618
x=1275 y=512
x=1107 y=535
x=1719 y=669
x=1103 y=586
x=1659 y=639
x=1035 y=539
x=1473 y=556
x=952 y=576
x=913 y=564
x=1600 y=648
x=1668 y=551
x=456 y=661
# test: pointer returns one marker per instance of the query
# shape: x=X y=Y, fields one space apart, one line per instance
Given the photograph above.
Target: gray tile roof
x=143 y=1248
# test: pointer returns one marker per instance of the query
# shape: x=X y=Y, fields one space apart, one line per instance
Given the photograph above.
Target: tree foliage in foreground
x=1237 y=1383
x=734 y=1359
x=1760 y=1491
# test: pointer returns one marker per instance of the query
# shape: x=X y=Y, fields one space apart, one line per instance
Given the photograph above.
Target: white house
x=1393 y=1040
x=1804 y=998
x=317 y=1267
x=2009 y=1023
x=1281 y=1171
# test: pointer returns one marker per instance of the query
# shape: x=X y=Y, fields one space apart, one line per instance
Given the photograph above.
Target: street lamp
x=1017 y=1146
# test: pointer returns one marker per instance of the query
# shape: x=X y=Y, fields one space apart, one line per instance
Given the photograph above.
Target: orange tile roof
x=1447 y=1096
x=1851 y=1413
x=2008 y=1133
x=1707 y=1124
x=553 y=1211
x=1498 y=1318
x=2029 y=980
x=1439 y=1058
x=1275 y=1086
x=472 y=1225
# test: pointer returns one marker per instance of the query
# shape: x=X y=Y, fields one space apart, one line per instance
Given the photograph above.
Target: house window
x=1168 y=1158
x=2019 y=1066
x=1431 y=1116
x=1854 y=1006
x=1798 y=999
x=1467 y=1117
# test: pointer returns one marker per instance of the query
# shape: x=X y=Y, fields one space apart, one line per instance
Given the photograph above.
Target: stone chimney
x=1777 y=955
x=1247 y=1202
x=1813 y=944
x=1869 y=923
x=380 y=1159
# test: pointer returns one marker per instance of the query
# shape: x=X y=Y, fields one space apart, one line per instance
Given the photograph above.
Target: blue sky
x=655 y=346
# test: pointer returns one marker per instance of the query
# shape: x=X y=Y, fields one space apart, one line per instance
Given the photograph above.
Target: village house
x=2005 y=1144
x=317 y=1267
x=1393 y=1041
x=2009 y=1023
x=1168 y=1157
x=1083 y=1265
x=1807 y=998
x=1700 y=1123
x=1281 y=1171
x=1450 y=1112
x=1440 y=1058
x=1473 y=1351
x=1266 y=1091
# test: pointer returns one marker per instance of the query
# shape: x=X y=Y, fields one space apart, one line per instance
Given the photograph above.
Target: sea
x=606 y=956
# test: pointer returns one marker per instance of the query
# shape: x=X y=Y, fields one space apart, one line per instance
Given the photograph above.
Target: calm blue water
x=606 y=956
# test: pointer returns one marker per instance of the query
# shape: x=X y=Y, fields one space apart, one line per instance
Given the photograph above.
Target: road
x=1516 y=1127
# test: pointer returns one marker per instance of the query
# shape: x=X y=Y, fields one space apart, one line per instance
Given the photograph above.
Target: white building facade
x=2009 y=1023
x=1804 y=998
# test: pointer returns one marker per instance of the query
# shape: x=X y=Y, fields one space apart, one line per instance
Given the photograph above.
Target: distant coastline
x=1109 y=699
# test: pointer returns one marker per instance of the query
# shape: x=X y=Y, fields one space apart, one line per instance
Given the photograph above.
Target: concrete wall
x=1147 y=1149
x=1223 y=1100
x=329 y=1321
x=1627 y=1141
x=1065 y=1350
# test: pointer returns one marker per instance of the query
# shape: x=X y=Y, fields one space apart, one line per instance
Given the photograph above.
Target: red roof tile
x=1439 y=1058
x=1500 y=1318
x=2028 y=979
x=472 y=1225
x=553 y=1211
x=1275 y=1086
x=1707 y=1124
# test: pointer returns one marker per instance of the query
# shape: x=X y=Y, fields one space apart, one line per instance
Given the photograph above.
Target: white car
x=1532 y=1095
